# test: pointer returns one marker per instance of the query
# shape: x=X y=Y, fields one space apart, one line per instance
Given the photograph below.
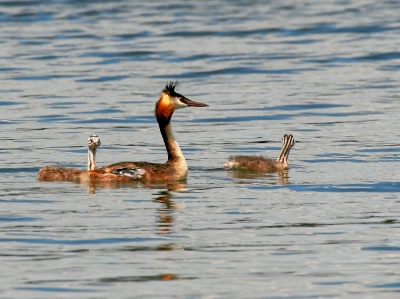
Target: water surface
x=326 y=72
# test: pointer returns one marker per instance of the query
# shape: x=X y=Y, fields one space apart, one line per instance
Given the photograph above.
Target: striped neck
x=287 y=144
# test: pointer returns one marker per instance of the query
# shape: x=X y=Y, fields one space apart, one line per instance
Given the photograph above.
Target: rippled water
x=325 y=71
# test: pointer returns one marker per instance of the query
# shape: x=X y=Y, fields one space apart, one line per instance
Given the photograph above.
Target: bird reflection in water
x=276 y=178
x=92 y=186
x=165 y=212
x=163 y=196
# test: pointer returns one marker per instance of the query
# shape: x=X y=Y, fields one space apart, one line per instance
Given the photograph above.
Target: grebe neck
x=91 y=160
x=172 y=146
x=284 y=154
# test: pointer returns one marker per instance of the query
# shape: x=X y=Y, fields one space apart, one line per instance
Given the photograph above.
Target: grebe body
x=260 y=163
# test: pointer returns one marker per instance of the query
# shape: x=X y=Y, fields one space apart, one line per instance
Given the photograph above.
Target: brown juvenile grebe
x=51 y=173
x=261 y=163
x=175 y=168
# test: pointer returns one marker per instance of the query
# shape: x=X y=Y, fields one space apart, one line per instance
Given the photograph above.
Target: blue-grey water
x=327 y=72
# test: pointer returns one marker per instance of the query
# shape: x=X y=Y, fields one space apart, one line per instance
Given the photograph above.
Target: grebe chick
x=175 y=168
x=51 y=173
x=261 y=163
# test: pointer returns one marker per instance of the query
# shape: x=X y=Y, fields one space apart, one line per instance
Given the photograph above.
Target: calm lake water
x=327 y=72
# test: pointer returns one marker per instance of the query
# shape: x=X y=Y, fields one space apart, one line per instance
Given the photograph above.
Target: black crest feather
x=170 y=88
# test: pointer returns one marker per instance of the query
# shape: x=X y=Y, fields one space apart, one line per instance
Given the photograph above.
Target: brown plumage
x=56 y=174
x=175 y=168
x=261 y=163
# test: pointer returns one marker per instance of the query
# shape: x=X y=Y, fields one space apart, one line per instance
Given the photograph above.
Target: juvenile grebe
x=51 y=173
x=175 y=168
x=261 y=163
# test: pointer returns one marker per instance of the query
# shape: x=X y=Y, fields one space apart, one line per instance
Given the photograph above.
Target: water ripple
x=325 y=71
x=55 y=290
x=231 y=71
x=380 y=187
x=73 y=242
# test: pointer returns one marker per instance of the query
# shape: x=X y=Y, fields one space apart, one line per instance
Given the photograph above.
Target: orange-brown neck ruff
x=163 y=112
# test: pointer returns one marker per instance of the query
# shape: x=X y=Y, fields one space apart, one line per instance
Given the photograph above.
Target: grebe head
x=94 y=142
x=288 y=140
x=170 y=100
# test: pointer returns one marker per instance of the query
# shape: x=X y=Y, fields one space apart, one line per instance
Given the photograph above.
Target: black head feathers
x=170 y=88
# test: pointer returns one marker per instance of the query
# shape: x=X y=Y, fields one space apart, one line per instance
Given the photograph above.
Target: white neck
x=91 y=159
x=173 y=149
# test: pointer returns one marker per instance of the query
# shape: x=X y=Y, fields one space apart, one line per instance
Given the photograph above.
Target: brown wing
x=149 y=167
x=154 y=171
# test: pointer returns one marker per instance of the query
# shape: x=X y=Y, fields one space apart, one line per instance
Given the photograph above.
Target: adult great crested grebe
x=261 y=163
x=175 y=168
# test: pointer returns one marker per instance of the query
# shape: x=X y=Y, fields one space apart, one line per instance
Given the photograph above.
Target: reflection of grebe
x=175 y=168
x=94 y=185
x=51 y=173
x=262 y=163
